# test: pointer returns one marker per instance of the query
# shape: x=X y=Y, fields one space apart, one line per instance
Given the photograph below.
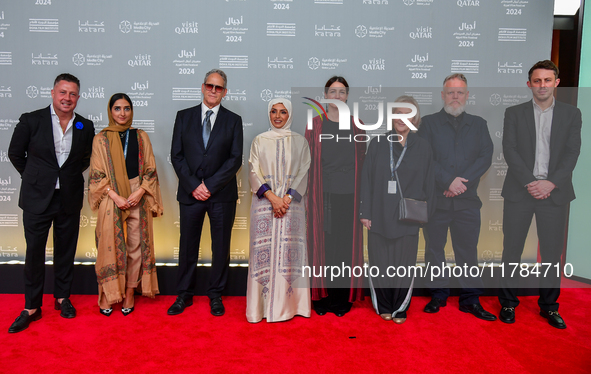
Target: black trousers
x=551 y=225
x=221 y=219
x=338 y=251
x=464 y=227
x=65 y=240
x=391 y=287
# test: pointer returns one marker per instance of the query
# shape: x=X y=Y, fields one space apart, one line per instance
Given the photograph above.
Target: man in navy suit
x=541 y=144
x=50 y=148
x=206 y=155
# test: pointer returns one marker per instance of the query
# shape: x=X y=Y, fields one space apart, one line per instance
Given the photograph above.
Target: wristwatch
x=290 y=197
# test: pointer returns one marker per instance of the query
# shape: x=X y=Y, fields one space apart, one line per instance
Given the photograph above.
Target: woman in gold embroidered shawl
x=124 y=191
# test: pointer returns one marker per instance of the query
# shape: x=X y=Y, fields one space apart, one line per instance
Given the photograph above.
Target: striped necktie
x=207 y=127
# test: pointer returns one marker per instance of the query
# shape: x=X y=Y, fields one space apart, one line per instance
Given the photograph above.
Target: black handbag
x=409 y=210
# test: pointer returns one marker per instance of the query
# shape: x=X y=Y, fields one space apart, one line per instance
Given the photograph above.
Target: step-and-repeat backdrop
x=158 y=52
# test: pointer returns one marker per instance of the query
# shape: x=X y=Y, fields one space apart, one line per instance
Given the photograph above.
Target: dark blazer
x=519 y=146
x=467 y=154
x=215 y=165
x=32 y=152
x=417 y=180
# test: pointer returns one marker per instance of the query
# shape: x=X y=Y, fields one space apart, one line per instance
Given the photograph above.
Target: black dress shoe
x=434 y=304
x=321 y=306
x=554 y=319
x=23 y=320
x=68 y=310
x=507 y=314
x=478 y=311
x=127 y=311
x=217 y=307
x=106 y=312
x=320 y=311
x=179 y=306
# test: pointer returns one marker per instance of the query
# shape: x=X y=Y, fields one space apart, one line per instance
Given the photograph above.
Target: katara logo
x=345 y=115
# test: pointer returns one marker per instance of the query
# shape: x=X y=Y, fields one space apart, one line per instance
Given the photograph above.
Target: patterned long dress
x=276 y=289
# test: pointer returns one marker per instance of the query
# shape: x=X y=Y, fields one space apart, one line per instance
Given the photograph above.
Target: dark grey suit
x=519 y=146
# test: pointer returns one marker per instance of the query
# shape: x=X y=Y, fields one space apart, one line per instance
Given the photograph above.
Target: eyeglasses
x=211 y=87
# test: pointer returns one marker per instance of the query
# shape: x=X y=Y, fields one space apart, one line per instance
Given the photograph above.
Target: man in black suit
x=206 y=155
x=541 y=144
x=462 y=150
x=50 y=148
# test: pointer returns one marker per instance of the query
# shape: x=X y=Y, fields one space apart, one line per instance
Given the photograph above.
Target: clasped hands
x=540 y=189
x=201 y=192
x=123 y=203
x=280 y=205
x=457 y=187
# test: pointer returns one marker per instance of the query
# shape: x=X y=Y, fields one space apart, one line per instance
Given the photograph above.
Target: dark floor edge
x=11 y=281
x=580 y=279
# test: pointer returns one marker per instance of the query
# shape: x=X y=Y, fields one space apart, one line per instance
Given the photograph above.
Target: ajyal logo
x=316 y=109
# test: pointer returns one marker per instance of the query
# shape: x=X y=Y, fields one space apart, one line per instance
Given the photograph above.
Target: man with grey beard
x=462 y=149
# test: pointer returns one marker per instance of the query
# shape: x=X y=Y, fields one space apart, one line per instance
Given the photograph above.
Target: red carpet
x=149 y=341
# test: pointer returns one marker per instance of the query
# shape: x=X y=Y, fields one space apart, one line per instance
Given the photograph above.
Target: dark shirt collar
x=458 y=119
x=455 y=122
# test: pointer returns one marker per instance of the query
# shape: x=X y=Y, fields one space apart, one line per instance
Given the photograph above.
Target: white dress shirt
x=62 y=140
x=543 y=122
x=213 y=116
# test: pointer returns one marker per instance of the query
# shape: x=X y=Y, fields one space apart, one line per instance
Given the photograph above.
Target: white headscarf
x=290 y=170
x=275 y=133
